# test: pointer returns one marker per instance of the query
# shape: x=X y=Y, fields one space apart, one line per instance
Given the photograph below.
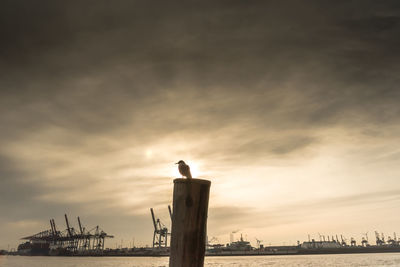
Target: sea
x=342 y=260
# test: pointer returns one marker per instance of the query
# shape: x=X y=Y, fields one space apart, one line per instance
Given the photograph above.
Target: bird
x=184 y=169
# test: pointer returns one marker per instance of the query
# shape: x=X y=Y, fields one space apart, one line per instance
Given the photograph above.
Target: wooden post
x=189 y=222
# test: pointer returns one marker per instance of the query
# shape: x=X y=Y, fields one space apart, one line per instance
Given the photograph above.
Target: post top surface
x=193 y=180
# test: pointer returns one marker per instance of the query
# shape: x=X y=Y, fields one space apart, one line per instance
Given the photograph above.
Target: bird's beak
x=177 y=163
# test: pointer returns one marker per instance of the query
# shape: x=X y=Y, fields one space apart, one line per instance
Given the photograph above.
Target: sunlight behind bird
x=194 y=169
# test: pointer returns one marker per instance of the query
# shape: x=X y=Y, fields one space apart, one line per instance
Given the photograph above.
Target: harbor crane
x=396 y=240
x=379 y=240
x=84 y=240
x=170 y=212
x=344 y=243
x=258 y=243
x=364 y=241
x=212 y=240
x=54 y=232
x=71 y=240
x=393 y=241
x=160 y=235
x=73 y=243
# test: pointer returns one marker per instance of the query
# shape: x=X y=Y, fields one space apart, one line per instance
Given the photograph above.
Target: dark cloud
x=241 y=54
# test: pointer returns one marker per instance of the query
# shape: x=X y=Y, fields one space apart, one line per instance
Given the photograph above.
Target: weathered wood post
x=189 y=222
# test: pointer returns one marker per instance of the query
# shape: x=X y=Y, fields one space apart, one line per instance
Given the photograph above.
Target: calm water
x=386 y=259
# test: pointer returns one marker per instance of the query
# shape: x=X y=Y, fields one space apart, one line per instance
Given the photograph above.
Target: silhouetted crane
x=71 y=240
x=258 y=243
x=170 y=212
x=379 y=241
x=160 y=235
x=344 y=243
x=364 y=241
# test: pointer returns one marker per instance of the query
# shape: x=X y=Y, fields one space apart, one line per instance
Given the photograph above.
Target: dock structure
x=189 y=222
x=70 y=241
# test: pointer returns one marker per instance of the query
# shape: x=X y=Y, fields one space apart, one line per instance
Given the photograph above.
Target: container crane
x=258 y=243
x=379 y=241
x=160 y=235
x=344 y=243
x=170 y=212
x=364 y=241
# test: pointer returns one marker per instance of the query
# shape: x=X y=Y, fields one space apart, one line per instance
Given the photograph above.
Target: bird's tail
x=189 y=176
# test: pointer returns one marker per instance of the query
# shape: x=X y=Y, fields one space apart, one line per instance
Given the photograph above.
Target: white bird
x=184 y=169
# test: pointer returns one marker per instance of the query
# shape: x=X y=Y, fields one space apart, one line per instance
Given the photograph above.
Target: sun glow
x=149 y=153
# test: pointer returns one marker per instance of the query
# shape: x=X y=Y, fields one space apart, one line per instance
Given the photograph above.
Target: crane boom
x=68 y=228
x=80 y=225
x=54 y=226
x=170 y=212
x=154 y=220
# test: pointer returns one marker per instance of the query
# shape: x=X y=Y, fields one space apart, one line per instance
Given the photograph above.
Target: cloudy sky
x=291 y=109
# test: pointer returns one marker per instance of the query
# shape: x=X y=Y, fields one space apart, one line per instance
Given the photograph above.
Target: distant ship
x=333 y=246
x=240 y=245
x=32 y=248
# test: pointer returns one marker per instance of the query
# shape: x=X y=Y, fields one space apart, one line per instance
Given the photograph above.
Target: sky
x=290 y=108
